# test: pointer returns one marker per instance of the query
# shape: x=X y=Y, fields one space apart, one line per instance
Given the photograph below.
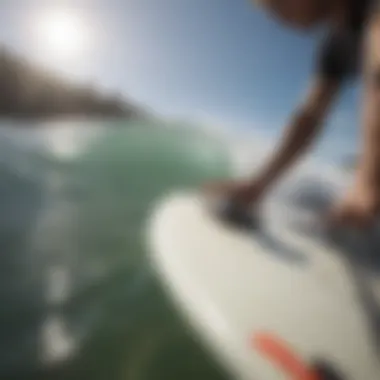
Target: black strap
x=238 y=216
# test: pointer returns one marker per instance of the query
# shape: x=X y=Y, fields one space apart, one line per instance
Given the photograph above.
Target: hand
x=244 y=193
x=359 y=208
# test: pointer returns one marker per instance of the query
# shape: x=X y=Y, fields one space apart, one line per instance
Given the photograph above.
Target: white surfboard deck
x=232 y=285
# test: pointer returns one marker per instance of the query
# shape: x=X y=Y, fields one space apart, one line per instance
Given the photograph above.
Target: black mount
x=238 y=215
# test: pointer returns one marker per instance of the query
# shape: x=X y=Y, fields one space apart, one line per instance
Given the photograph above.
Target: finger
x=332 y=217
x=349 y=217
x=360 y=219
x=365 y=220
x=341 y=216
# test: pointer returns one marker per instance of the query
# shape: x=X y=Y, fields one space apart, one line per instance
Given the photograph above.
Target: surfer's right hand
x=245 y=193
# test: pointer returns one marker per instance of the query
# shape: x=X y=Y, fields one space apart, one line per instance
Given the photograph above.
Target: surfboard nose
x=231 y=285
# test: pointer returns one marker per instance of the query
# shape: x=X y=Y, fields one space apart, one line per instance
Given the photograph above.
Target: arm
x=369 y=166
x=302 y=130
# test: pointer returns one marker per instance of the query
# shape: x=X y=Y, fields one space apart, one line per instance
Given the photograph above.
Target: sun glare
x=61 y=33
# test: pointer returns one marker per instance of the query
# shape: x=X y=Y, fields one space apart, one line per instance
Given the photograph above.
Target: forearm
x=369 y=168
x=297 y=139
x=302 y=131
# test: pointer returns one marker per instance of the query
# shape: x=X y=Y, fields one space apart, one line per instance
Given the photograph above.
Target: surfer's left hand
x=246 y=193
x=359 y=208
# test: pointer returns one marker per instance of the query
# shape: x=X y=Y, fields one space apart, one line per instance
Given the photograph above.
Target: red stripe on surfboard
x=283 y=356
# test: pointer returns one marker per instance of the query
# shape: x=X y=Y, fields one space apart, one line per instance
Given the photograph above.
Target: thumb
x=331 y=221
x=347 y=216
x=332 y=217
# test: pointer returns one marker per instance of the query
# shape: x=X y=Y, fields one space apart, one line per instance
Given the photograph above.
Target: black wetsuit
x=340 y=55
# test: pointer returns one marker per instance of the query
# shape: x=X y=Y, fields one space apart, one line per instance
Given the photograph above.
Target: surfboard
x=270 y=303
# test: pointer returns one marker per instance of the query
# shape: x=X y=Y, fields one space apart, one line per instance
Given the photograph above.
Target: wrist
x=264 y=181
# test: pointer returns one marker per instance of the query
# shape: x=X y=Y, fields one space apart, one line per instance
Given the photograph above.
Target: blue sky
x=220 y=60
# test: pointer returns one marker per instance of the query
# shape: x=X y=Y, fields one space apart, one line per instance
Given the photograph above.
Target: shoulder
x=336 y=55
x=339 y=53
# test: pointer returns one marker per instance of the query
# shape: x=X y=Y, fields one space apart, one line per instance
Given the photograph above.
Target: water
x=78 y=297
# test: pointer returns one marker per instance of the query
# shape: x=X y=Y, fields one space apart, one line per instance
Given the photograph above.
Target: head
x=299 y=13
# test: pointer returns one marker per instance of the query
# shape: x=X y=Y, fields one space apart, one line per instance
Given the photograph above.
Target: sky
x=218 y=61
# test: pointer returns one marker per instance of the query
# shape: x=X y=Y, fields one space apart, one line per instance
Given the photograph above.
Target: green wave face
x=112 y=188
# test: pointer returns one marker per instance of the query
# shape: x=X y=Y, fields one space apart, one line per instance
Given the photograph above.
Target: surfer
x=351 y=46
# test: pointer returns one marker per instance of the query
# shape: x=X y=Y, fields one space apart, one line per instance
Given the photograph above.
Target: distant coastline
x=32 y=93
